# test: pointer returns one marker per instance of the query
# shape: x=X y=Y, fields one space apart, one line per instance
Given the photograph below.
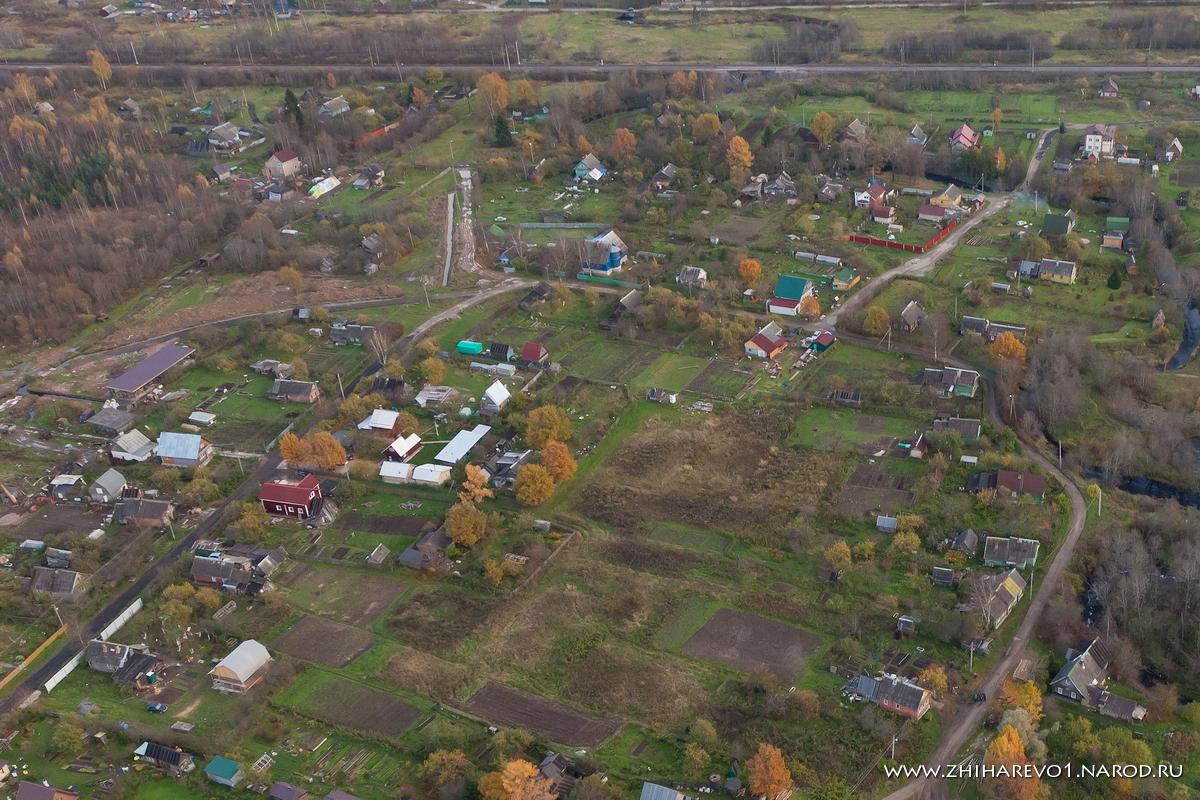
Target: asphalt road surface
x=782 y=71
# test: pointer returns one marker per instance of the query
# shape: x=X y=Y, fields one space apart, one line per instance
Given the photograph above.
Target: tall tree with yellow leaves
x=1006 y=751
x=328 y=451
x=1024 y=694
x=475 y=488
x=547 y=424
x=705 y=128
x=749 y=271
x=534 y=484
x=740 y=159
x=493 y=94
x=522 y=781
x=100 y=67
x=525 y=93
x=465 y=524
x=822 y=127
x=291 y=448
x=768 y=774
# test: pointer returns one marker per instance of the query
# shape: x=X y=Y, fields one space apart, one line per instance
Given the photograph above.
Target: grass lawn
x=818 y=428
x=671 y=372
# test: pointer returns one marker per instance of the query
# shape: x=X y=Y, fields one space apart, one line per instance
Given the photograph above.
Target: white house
x=1098 y=140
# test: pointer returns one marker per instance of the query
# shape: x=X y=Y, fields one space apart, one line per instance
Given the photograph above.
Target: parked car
x=157 y=708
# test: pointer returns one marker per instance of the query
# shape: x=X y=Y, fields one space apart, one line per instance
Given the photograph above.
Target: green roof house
x=845 y=279
x=224 y=771
x=1058 y=224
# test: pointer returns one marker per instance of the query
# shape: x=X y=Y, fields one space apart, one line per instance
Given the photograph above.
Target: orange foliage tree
x=624 y=143
x=1007 y=346
x=557 y=459
x=749 y=270
x=809 y=307
x=768 y=774
x=1007 y=751
x=705 y=128
x=493 y=94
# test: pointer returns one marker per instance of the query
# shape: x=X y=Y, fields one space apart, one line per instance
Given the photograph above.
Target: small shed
x=886 y=524
x=224 y=771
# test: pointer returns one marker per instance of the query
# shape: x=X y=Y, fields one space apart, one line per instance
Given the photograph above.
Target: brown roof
x=1021 y=482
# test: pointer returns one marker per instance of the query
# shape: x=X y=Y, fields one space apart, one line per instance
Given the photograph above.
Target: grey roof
x=106 y=656
x=590 y=162
x=150 y=368
x=862 y=686
x=53 y=581
x=943 y=576
x=136 y=668
x=966 y=542
x=901 y=693
x=225 y=571
x=135 y=444
x=966 y=428
x=281 y=790
x=112 y=482
x=652 y=791
x=179 y=445
x=1084 y=669
x=288 y=388
x=379 y=555
x=1012 y=551
x=111 y=418
x=35 y=791
x=159 y=752
x=912 y=312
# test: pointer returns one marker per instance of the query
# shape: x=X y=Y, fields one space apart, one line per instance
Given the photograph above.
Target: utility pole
x=341 y=390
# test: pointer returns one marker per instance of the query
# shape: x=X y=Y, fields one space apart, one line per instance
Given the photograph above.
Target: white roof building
x=381 y=419
x=395 y=472
x=132 y=446
x=461 y=444
x=432 y=474
x=498 y=393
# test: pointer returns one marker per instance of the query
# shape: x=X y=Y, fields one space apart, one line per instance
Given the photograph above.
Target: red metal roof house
x=284 y=499
x=534 y=351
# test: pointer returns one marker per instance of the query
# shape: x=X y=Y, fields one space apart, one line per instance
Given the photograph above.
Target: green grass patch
x=674 y=634
x=708 y=541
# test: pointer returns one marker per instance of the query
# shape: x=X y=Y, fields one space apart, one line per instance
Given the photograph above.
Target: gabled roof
x=36 y=791
x=134 y=508
x=791 y=287
x=106 y=656
x=1021 y=482
x=1084 y=669
x=134 y=443
x=403 y=444
x=901 y=693
x=952 y=192
x=462 y=443
x=215 y=568
x=112 y=482
x=54 y=581
x=652 y=791
x=380 y=419
x=497 y=393
x=534 y=351
x=913 y=313
x=223 y=767
x=285 y=155
x=295 y=493
x=1012 y=551
x=136 y=668
x=966 y=428
x=1052 y=266
x=1059 y=224
x=589 y=162
x=179 y=445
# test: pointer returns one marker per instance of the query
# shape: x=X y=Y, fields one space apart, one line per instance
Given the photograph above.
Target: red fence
x=909 y=248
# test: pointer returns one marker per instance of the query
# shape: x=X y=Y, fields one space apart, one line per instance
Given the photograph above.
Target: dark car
x=157 y=708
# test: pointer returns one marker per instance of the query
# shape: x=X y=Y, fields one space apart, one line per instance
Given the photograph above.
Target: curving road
x=970 y=715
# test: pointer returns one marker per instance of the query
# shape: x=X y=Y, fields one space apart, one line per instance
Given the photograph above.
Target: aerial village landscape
x=448 y=400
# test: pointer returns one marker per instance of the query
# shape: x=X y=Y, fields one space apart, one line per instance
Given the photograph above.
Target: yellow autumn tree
x=706 y=127
x=100 y=67
x=877 y=321
x=526 y=94
x=809 y=307
x=327 y=451
x=522 y=781
x=583 y=145
x=1007 y=346
x=749 y=271
x=547 y=424
x=1022 y=694
x=822 y=127
x=493 y=94
x=534 y=484
x=475 y=488
x=1007 y=751
x=291 y=448
x=740 y=159
x=465 y=524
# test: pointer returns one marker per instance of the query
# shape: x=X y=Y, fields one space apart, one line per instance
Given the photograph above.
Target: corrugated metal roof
x=245 y=660
x=461 y=444
x=178 y=445
x=150 y=368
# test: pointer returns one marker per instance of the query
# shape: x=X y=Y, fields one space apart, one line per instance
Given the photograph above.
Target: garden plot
x=503 y=705
x=719 y=380
x=397 y=525
x=338 y=701
x=350 y=597
x=747 y=642
x=611 y=360
x=709 y=541
x=324 y=642
x=870 y=488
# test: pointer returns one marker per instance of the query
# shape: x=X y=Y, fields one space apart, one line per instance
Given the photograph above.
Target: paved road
x=784 y=71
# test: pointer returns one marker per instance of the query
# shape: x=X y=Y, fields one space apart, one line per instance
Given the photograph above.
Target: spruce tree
x=503 y=134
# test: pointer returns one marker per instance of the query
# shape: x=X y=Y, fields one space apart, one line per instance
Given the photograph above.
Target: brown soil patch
x=398 y=526
x=747 y=641
x=511 y=708
x=749 y=479
x=870 y=489
x=292 y=575
x=53 y=520
x=188 y=709
x=868 y=424
x=324 y=642
x=661 y=338
x=781 y=587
